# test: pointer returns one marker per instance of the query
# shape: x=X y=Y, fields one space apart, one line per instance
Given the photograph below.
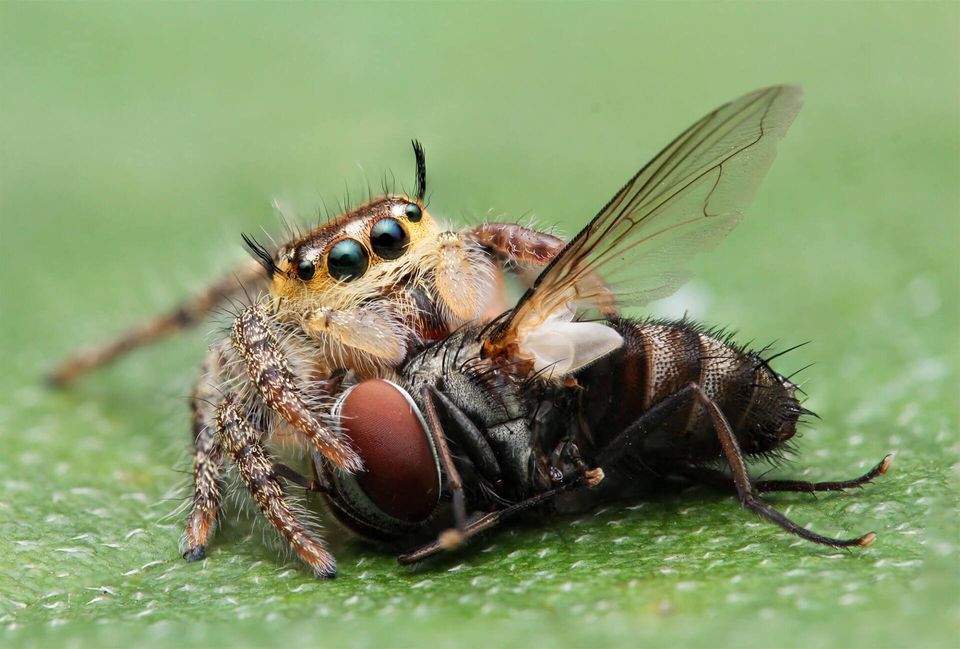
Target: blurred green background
x=138 y=141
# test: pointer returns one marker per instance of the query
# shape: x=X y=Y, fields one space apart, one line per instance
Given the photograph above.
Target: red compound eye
x=401 y=475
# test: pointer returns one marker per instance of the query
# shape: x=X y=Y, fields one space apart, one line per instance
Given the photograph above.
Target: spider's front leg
x=245 y=447
x=531 y=250
x=267 y=369
x=514 y=243
x=467 y=279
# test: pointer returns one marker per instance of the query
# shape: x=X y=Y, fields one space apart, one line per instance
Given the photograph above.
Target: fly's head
x=398 y=491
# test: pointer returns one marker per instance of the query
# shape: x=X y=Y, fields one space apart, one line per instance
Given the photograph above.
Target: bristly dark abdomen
x=652 y=375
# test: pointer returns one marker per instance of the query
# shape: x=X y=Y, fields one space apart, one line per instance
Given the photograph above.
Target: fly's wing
x=683 y=201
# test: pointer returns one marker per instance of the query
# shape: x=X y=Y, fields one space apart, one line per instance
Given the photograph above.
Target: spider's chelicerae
x=359 y=293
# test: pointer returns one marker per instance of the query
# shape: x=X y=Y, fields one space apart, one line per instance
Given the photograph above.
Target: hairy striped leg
x=249 y=276
x=245 y=447
x=207 y=457
x=267 y=369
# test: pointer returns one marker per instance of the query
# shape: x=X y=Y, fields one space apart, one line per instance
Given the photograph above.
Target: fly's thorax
x=443 y=358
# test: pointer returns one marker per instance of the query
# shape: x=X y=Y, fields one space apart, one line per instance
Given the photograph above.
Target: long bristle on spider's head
x=420 y=186
x=261 y=254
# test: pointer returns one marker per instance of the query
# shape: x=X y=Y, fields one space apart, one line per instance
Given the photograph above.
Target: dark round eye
x=413 y=212
x=388 y=238
x=306 y=270
x=347 y=260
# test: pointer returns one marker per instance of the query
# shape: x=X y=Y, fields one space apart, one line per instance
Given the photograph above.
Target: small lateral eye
x=413 y=212
x=388 y=238
x=306 y=270
x=347 y=260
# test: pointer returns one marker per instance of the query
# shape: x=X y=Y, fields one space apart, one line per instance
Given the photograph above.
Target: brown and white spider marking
x=360 y=294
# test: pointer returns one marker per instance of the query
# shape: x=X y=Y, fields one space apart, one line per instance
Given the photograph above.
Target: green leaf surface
x=138 y=141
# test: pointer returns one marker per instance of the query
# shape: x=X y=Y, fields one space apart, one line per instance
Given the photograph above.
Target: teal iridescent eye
x=388 y=238
x=413 y=212
x=347 y=260
x=305 y=270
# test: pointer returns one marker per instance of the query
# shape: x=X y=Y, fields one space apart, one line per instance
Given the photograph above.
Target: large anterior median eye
x=388 y=238
x=347 y=260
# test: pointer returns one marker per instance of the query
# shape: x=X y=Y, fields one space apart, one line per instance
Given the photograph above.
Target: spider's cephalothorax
x=375 y=280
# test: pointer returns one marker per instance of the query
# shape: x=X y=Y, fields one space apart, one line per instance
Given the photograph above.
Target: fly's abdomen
x=650 y=384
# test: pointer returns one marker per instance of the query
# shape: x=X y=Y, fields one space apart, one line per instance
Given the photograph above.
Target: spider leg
x=245 y=447
x=248 y=276
x=255 y=343
x=515 y=248
x=530 y=250
x=516 y=243
x=207 y=458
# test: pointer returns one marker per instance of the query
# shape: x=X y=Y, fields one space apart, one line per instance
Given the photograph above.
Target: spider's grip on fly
x=256 y=344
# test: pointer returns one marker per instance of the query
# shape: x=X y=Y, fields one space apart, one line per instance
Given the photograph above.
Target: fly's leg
x=485 y=522
x=745 y=490
x=620 y=446
x=255 y=343
x=295 y=477
x=469 y=439
x=250 y=276
x=450 y=538
x=245 y=447
x=720 y=479
x=207 y=458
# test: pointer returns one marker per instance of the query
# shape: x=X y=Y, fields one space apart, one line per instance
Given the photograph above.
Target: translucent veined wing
x=683 y=201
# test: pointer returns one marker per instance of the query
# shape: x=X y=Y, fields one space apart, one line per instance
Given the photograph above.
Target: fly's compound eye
x=388 y=238
x=306 y=270
x=347 y=260
x=401 y=476
x=413 y=212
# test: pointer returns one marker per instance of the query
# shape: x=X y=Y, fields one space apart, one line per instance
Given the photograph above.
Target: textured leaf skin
x=138 y=142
